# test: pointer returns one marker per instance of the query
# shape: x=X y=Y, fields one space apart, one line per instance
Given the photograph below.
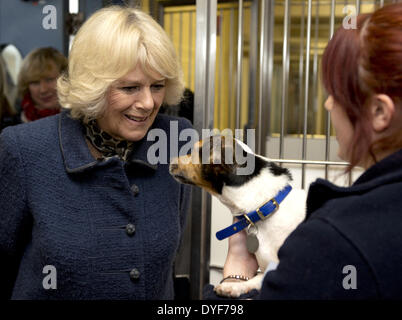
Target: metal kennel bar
x=285 y=76
x=253 y=66
x=206 y=14
x=230 y=76
x=304 y=162
x=306 y=93
x=239 y=62
x=266 y=62
x=190 y=56
x=261 y=78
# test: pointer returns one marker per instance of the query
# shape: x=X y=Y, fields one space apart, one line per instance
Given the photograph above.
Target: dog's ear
x=229 y=152
x=213 y=150
x=225 y=152
x=228 y=162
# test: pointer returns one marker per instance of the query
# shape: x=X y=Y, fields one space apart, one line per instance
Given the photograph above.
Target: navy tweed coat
x=110 y=229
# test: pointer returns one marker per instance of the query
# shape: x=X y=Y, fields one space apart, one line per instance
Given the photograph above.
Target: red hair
x=360 y=63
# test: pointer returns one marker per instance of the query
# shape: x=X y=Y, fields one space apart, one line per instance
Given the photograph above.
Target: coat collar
x=388 y=170
x=77 y=156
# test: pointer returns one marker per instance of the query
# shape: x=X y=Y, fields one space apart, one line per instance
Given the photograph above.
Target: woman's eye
x=158 y=87
x=130 y=89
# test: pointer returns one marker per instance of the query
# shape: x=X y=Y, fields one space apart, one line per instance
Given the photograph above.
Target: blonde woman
x=37 y=83
x=81 y=204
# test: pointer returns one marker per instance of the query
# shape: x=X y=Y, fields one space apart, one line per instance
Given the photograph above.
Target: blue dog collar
x=255 y=216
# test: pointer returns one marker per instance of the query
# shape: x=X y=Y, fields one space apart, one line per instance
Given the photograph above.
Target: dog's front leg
x=235 y=289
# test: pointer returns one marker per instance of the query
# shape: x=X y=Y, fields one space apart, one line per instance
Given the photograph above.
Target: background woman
x=37 y=83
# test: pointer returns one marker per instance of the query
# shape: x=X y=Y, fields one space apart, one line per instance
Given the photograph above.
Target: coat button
x=130 y=229
x=134 y=274
x=135 y=190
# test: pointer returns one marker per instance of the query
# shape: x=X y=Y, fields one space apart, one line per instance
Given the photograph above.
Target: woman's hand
x=239 y=261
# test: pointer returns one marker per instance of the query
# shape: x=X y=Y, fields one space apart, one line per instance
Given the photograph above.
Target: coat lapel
x=77 y=156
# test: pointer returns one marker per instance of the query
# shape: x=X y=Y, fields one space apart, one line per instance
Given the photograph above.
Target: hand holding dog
x=239 y=261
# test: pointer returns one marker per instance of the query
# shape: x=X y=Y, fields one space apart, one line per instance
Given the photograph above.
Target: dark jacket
x=9 y=121
x=111 y=229
x=349 y=246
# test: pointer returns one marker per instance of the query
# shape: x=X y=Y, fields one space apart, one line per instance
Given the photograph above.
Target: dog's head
x=215 y=162
x=228 y=169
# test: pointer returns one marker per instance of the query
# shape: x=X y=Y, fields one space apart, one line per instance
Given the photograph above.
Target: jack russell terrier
x=263 y=200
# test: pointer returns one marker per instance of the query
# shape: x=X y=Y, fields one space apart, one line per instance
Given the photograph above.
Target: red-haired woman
x=349 y=246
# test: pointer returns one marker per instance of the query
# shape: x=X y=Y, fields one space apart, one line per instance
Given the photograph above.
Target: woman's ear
x=382 y=110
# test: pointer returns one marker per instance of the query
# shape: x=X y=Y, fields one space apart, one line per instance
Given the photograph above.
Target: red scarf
x=32 y=113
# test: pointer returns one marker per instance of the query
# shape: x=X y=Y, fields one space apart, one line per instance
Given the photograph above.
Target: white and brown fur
x=243 y=194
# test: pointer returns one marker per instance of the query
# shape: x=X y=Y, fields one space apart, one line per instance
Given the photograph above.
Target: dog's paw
x=234 y=289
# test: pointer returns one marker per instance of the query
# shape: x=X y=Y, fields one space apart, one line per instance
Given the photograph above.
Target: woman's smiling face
x=133 y=102
x=43 y=91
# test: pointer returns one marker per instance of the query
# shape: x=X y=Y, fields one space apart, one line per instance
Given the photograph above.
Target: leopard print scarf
x=105 y=143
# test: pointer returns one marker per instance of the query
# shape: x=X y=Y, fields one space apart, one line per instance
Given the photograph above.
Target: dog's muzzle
x=175 y=173
x=173 y=167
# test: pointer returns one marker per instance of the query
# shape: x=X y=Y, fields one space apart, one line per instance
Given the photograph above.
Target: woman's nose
x=328 y=104
x=146 y=100
x=43 y=86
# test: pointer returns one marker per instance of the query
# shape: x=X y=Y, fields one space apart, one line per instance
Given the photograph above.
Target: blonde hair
x=109 y=45
x=5 y=108
x=36 y=64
